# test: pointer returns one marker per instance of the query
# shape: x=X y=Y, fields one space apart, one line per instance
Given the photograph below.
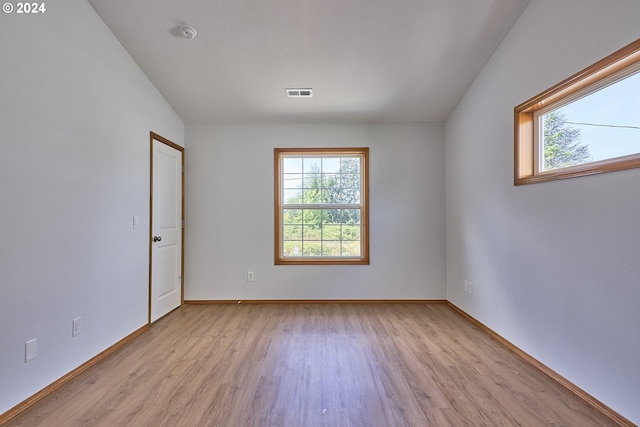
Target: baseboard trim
x=30 y=401
x=577 y=391
x=317 y=301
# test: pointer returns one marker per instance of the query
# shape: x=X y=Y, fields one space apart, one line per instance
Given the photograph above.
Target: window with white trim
x=321 y=206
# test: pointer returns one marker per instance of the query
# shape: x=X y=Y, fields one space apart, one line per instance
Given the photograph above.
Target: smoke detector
x=299 y=93
x=188 y=32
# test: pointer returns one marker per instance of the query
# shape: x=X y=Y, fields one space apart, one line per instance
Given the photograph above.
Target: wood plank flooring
x=298 y=365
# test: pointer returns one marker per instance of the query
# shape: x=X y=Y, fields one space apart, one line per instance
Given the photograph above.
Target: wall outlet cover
x=75 y=326
x=30 y=349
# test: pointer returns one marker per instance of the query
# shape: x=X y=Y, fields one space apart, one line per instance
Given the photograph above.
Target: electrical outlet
x=75 y=326
x=250 y=276
x=30 y=349
x=468 y=287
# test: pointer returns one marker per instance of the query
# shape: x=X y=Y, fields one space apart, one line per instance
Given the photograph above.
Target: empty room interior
x=453 y=294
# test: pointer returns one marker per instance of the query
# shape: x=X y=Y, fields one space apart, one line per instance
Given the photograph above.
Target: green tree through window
x=562 y=143
x=322 y=208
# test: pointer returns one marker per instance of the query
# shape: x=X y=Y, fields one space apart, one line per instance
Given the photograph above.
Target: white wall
x=555 y=266
x=230 y=212
x=75 y=116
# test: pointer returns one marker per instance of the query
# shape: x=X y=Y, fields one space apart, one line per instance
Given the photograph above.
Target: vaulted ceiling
x=366 y=60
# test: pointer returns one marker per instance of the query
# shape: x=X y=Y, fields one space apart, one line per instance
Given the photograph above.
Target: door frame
x=154 y=136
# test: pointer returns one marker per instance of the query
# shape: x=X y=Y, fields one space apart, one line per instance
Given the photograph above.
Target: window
x=587 y=124
x=321 y=206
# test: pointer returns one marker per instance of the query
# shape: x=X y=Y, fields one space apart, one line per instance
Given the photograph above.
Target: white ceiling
x=366 y=60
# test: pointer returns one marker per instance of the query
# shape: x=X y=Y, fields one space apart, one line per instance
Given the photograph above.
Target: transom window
x=321 y=206
x=587 y=124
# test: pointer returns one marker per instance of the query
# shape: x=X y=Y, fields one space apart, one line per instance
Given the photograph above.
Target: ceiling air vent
x=299 y=93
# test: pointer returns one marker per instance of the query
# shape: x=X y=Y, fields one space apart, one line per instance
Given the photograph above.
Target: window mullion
x=321 y=206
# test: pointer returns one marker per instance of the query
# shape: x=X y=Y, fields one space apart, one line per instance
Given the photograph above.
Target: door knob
x=157 y=238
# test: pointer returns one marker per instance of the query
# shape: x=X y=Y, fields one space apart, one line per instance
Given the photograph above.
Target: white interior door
x=166 y=229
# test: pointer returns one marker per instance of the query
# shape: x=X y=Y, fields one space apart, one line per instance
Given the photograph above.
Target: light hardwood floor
x=298 y=365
